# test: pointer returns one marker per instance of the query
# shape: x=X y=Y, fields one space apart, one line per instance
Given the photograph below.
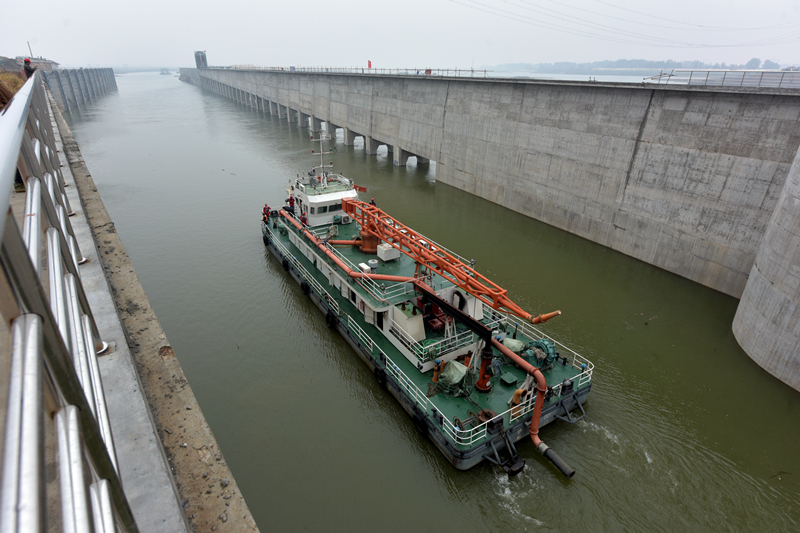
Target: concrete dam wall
x=684 y=178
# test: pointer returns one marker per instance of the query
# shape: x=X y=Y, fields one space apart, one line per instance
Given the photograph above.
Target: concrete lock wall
x=684 y=178
x=73 y=88
x=767 y=321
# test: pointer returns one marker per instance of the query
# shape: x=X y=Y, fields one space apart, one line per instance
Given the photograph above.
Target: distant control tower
x=200 y=59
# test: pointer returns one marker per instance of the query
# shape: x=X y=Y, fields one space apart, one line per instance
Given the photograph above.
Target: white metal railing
x=408 y=385
x=423 y=352
x=54 y=342
x=332 y=302
x=362 y=336
x=776 y=79
x=439 y=72
x=576 y=360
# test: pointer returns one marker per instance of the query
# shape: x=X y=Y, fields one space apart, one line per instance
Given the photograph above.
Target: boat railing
x=324 y=294
x=378 y=291
x=54 y=380
x=509 y=323
x=408 y=385
x=362 y=336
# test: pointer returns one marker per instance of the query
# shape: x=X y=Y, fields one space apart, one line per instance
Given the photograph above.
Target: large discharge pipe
x=541 y=389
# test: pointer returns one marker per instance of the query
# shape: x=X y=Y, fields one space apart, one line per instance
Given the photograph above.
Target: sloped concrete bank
x=209 y=496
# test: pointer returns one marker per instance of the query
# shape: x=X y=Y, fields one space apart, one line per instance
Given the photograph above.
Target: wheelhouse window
x=335 y=207
x=322 y=209
x=313 y=210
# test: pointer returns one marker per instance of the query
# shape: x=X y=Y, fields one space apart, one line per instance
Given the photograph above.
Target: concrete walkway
x=143 y=467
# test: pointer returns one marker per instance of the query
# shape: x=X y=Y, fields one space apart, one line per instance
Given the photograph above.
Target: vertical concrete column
x=316 y=124
x=283 y=111
x=330 y=129
x=399 y=156
x=87 y=80
x=93 y=80
x=61 y=88
x=302 y=119
x=77 y=95
x=349 y=137
x=767 y=321
x=101 y=81
x=371 y=145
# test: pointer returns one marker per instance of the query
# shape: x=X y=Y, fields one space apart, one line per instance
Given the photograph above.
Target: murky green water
x=684 y=432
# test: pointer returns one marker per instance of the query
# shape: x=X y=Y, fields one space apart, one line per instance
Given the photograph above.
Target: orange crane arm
x=375 y=222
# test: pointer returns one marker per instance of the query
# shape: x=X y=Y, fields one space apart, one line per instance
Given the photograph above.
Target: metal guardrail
x=440 y=72
x=54 y=343
x=773 y=79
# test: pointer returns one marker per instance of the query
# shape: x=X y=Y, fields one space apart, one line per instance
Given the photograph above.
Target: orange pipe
x=545 y=317
x=541 y=390
x=344 y=242
x=350 y=272
x=541 y=387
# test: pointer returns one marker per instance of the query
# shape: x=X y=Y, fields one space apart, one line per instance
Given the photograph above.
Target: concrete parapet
x=767 y=321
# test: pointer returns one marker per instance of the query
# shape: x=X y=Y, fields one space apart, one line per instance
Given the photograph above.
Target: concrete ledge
x=143 y=370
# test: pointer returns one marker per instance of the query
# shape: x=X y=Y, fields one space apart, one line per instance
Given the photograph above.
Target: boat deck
x=417 y=383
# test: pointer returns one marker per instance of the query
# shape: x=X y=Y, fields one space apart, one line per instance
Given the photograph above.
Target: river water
x=684 y=432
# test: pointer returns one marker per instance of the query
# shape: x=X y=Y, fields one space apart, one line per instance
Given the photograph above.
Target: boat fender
x=330 y=319
x=285 y=263
x=265 y=239
x=305 y=287
x=380 y=376
x=419 y=423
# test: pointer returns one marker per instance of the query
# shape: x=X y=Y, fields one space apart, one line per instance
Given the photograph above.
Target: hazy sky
x=400 y=33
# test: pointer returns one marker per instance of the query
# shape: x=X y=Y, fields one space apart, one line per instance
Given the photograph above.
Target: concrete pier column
x=767 y=321
x=399 y=156
x=283 y=111
x=349 y=137
x=316 y=124
x=371 y=145
x=423 y=160
x=273 y=107
x=330 y=129
x=302 y=119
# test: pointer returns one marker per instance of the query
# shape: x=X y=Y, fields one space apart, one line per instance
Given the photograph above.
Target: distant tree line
x=631 y=64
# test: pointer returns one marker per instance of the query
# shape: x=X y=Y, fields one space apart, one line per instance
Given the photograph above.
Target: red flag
x=369 y=64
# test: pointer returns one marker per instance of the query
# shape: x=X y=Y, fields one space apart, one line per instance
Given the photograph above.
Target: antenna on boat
x=321 y=137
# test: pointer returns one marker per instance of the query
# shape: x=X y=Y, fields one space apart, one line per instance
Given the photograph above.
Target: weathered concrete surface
x=72 y=88
x=767 y=321
x=206 y=490
x=684 y=178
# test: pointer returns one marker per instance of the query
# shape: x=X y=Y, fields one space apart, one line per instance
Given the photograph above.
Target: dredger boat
x=471 y=367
